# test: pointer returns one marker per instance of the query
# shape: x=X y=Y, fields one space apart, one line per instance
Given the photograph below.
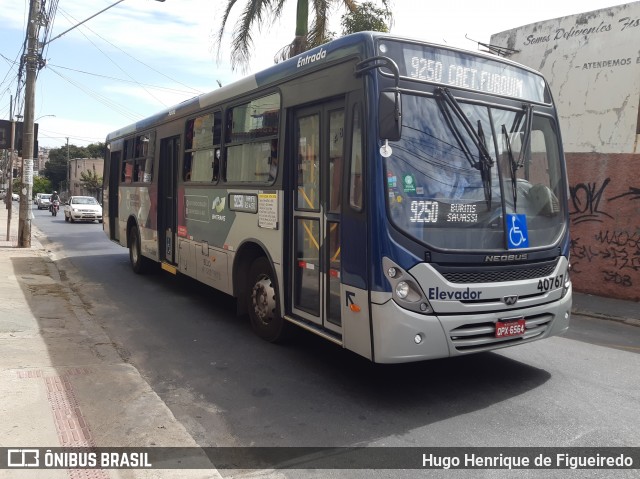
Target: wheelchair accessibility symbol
x=518 y=236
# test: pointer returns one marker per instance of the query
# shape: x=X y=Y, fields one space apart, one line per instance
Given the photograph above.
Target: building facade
x=43 y=158
x=79 y=170
x=592 y=63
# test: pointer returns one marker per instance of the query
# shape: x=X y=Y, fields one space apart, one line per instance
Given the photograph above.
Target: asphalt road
x=229 y=388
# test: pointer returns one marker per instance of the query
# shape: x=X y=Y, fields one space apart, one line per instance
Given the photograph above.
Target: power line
x=12 y=64
x=115 y=63
x=138 y=61
x=50 y=18
x=49 y=65
x=81 y=138
x=124 y=111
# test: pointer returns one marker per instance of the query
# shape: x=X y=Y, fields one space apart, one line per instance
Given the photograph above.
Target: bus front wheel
x=263 y=302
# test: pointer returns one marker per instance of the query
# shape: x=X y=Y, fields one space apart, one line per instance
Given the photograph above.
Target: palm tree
x=368 y=17
x=256 y=13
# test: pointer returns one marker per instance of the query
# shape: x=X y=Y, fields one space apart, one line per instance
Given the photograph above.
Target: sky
x=143 y=56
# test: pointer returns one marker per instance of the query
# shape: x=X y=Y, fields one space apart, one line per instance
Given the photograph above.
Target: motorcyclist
x=54 y=197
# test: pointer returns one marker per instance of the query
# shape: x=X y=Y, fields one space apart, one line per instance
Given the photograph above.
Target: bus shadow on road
x=413 y=383
x=279 y=394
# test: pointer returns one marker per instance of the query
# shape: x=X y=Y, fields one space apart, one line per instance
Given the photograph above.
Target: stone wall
x=604 y=207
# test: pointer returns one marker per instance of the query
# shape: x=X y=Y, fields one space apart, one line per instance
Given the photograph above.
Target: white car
x=82 y=208
x=15 y=196
x=44 y=201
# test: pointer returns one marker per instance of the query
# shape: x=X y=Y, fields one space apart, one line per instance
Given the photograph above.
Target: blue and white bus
x=404 y=200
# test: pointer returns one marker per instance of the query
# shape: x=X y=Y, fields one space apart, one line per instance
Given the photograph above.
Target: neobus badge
x=312 y=58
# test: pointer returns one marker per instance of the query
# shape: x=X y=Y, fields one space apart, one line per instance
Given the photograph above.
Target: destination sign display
x=464 y=70
x=431 y=212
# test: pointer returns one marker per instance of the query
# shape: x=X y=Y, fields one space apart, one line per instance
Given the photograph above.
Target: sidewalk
x=62 y=382
x=627 y=312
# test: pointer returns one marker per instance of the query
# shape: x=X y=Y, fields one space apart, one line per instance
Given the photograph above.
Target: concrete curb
x=591 y=314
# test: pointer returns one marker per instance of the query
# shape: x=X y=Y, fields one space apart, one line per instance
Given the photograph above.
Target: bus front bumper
x=400 y=335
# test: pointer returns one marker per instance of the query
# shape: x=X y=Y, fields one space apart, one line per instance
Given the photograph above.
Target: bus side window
x=356 y=173
x=216 y=166
x=202 y=145
x=147 y=170
x=273 y=160
x=251 y=134
x=127 y=172
x=188 y=144
x=186 y=172
x=136 y=172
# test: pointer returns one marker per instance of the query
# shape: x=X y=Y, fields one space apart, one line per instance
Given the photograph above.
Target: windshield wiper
x=513 y=167
x=477 y=137
x=514 y=164
x=528 y=117
x=485 y=170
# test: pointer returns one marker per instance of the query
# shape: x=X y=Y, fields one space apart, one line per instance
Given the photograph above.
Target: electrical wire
x=48 y=134
x=49 y=9
x=124 y=111
x=50 y=16
x=12 y=64
x=137 y=60
x=115 y=63
x=50 y=65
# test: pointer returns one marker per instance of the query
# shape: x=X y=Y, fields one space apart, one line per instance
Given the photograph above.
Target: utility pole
x=68 y=172
x=32 y=63
x=9 y=197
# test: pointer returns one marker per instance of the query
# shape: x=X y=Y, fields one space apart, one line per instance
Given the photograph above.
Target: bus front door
x=169 y=151
x=319 y=153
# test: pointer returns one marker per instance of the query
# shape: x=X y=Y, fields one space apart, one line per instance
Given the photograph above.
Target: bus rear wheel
x=263 y=302
x=138 y=262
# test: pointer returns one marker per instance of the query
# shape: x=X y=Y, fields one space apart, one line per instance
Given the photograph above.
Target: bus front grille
x=487 y=274
x=473 y=338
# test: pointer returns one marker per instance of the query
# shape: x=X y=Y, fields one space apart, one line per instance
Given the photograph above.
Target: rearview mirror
x=390 y=115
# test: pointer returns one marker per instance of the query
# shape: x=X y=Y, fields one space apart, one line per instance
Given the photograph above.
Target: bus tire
x=138 y=262
x=263 y=302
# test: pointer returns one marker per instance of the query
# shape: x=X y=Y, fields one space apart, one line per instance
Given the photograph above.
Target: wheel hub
x=263 y=297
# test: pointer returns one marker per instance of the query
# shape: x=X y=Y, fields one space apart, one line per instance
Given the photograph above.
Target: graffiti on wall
x=615 y=251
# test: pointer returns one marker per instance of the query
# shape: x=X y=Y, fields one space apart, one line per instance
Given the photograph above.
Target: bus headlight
x=402 y=289
x=407 y=293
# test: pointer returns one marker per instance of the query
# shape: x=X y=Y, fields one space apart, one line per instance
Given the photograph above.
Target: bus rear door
x=167 y=181
x=111 y=200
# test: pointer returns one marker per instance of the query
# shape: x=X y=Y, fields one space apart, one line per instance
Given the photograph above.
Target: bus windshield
x=460 y=168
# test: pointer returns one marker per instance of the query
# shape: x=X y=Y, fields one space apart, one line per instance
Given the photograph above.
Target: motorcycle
x=55 y=206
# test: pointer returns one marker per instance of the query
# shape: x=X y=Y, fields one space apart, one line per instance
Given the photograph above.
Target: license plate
x=510 y=328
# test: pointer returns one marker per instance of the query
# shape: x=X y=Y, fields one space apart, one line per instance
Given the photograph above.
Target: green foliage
x=16 y=187
x=95 y=150
x=259 y=14
x=367 y=17
x=55 y=170
x=91 y=180
x=41 y=185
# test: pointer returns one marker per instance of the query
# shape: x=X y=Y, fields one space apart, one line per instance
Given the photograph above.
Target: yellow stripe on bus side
x=167 y=267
